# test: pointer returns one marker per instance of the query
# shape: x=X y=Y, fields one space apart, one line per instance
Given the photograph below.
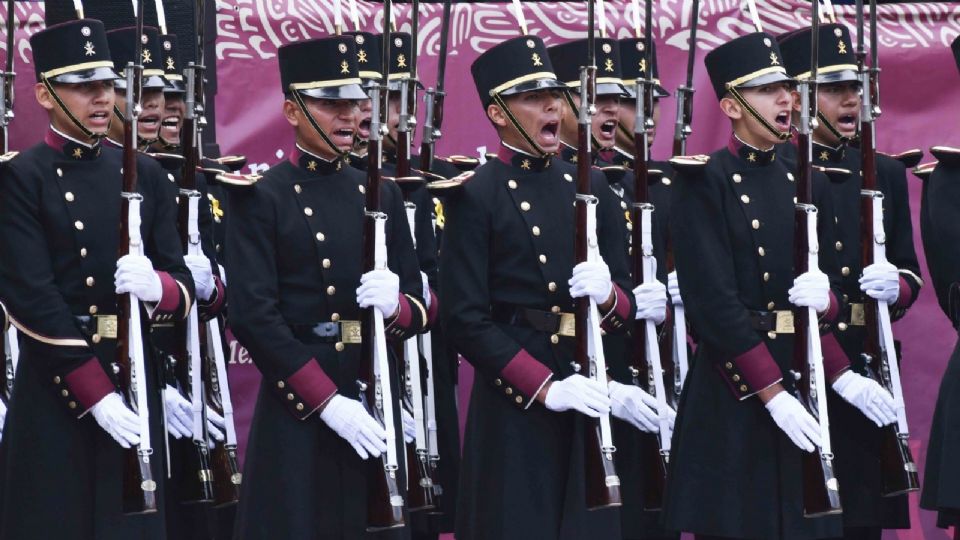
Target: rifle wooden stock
x=224 y=464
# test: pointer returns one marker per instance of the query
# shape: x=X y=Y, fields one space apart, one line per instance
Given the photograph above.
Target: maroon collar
x=751 y=156
x=69 y=147
x=313 y=163
x=523 y=161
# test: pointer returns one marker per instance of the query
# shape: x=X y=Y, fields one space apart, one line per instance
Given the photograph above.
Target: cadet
x=295 y=244
x=121 y=43
x=508 y=281
x=62 y=456
x=938 y=226
x=857 y=438
x=735 y=470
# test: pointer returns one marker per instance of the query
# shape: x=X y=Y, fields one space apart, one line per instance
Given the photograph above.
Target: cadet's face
x=604 y=124
x=773 y=102
x=538 y=112
x=151 y=102
x=91 y=103
x=393 y=118
x=627 y=116
x=364 y=115
x=840 y=104
x=174 y=108
x=336 y=117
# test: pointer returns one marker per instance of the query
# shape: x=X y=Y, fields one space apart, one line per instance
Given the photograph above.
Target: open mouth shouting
x=782 y=121
x=149 y=125
x=98 y=120
x=363 y=130
x=608 y=133
x=548 y=136
x=847 y=124
x=343 y=137
x=170 y=127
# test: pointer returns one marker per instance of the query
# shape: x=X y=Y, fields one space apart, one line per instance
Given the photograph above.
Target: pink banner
x=917 y=113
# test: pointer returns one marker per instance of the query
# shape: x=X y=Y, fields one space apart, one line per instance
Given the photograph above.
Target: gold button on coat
x=308 y=211
x=326 y=263
x=552 y=287
x=525 y=206
x=331 y=290
x=321 y=237
x=78 y=224
x=745 y=199
x=535 y=230
x=90 y=281
x=68 y=196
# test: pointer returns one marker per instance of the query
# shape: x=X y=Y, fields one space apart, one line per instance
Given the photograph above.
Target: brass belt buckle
x=107 y=326
x=350 y=332
x=784 y=321
x=857 y=315
x=568 y=325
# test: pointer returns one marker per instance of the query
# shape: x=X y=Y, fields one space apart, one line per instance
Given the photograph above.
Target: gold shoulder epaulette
x=690 y=164
x=835 y=174
x=464 y=163
x=909 y=158
x=169 y=162
x=924 y=170
x=234 y=163
x=947 y=155
x=236 y=180
x=451 y=185
x=8 y=156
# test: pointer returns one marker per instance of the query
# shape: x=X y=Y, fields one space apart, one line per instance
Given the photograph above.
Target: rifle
x=645 y=365
x=384 y=502
x=408 y=99
x=8 y=337
x=602 y=483
x=433 y=98
x=684 y=125
x=821 y=494
x=139 y=487
x=898 y=471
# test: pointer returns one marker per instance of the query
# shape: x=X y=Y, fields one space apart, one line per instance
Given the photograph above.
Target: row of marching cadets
x=335 y=279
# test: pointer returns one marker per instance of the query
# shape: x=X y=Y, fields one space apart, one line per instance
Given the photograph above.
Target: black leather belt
x=328 y=332
x=562 y=324
x=97 y=327
x=778 y=322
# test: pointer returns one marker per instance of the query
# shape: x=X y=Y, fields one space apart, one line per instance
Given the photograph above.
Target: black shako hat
x=369 y=48
x=122 y=48
x=324 y=68
x=72 y=52
x=172 y=70
x=745 y=62
x=401 y=49
x=836 y=62
x=633 y=64
x=568 y=58
x=521 y=64
x=955 y=47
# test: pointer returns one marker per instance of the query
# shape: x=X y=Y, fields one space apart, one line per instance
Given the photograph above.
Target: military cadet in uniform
x=295 y=252
x=174 y=104
x=857 y=438
x=62 y=458
x=508 y=282
x=122 y=42
x=735 y=467
x=939 y=228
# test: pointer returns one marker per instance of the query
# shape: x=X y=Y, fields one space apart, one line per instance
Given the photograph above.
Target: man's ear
x=43 y=96
x=795 y=96
x=497 y=115
x=731 y=108
x=291 y=112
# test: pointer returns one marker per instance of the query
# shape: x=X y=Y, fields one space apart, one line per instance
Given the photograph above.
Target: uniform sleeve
x=711 y=298
x=941 y=236
x=287 y=365
x=33 y=300
x=899 y=231
x=465 y=311
x=402 y=260
x=163 y=245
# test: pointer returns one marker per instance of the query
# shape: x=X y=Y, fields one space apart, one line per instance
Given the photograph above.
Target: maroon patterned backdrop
x=919 y=100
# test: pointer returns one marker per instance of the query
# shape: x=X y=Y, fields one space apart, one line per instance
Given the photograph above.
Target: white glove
x=795 y=421
x=811 y=289
x=881 y=281
x=578 y=393
x=3 y=417
x=179 y=413
x=202 y=275
x=591 y=279
x=135 y=275
x=380 y=289
x=865 y=394
x=350 y=420
x=426 y=289
x=117 y=420
x=651 y=301
x=216 y=425
x=631 y=404
x=409 y=426
x=223 y=274
x=673 y=289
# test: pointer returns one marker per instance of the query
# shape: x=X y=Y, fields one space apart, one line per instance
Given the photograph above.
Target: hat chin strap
x=97 y=137
x=843 y=139
x=516 y=124
x=573 y=107
x=316 y=127
x=753 y=112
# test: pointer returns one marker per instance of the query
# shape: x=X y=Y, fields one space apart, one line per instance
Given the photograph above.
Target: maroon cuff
x=751 y=372
x=526 y=374
x=170 y=297
x=85 y=386
x=309 y=388
x=833 y=310
x=434 y=310
x=834 y=358
x=404 y=324
x=619 y=313
x=906 y=294
x=212 y=307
